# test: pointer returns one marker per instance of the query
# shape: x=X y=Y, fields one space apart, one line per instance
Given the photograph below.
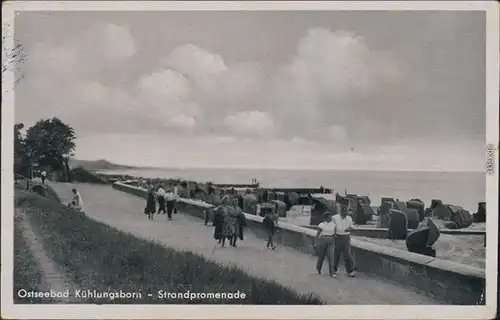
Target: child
x=271 y=223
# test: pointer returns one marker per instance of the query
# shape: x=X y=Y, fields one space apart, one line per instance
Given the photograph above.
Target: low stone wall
x=383 y=233
x=450 y=282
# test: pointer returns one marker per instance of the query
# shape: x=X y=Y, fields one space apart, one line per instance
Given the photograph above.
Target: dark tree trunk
x=67 y=173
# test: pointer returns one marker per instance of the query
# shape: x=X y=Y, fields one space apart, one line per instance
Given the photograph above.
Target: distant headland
x=96 y=165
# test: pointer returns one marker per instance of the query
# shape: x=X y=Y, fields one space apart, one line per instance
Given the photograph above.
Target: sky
x=305 y=89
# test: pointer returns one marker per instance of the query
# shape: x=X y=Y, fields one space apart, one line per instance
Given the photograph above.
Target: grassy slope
x=27 y=274
x=100 y=257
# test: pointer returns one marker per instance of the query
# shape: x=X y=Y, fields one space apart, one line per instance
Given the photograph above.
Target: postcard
x=250 y=159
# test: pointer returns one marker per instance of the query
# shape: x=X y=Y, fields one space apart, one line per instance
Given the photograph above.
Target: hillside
x=95 y=165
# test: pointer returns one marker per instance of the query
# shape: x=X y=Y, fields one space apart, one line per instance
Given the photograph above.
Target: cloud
x=250 y=122
x=326 y=81
x=53 y=62
x=195 y=63
x=302 y=98
x=323 y=92
x=182 y=122
x=97 y=47
x=338 y=132
x=166 y=91
x=112 y=41
x=68 y=80
x=91 y=93
x=193 y=89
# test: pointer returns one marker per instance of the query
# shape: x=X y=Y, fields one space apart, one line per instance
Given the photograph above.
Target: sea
x=464 y=189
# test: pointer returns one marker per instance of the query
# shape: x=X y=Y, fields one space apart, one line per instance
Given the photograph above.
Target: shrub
x=102 y=257
x=46 y=191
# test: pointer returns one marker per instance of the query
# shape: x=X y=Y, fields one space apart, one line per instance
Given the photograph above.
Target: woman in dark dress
x=242 y=221
x=220 y=221
x=150 y=203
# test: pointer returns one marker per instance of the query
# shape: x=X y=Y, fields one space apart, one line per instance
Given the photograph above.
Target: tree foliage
x=49 y=143
x=18 y=147
x=18 y=139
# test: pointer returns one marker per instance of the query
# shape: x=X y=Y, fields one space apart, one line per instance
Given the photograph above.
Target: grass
x=102 y=258
x=46 y=191
x=27 y=274
x=41 y=189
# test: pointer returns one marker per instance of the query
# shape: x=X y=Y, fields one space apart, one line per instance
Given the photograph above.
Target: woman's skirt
x=229 y=229
x=218 y=232
x=150 y=207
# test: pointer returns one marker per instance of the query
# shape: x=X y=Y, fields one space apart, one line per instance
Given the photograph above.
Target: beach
x=465 y=189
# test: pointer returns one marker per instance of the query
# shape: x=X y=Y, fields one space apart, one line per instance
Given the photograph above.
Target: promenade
x=284 y=265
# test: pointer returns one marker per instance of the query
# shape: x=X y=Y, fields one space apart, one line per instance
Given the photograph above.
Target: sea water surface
x=465 y=189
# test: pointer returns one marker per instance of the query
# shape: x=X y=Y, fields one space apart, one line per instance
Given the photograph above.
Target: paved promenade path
x=284 y=265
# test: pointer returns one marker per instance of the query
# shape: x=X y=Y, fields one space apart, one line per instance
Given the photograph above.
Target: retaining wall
x=445 y=280
x=383 y=233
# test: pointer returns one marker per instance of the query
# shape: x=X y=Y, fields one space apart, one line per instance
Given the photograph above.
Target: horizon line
x=132 y=167
x=304 y=169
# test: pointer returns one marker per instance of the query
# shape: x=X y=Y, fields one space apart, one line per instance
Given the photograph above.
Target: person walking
x=44 y=176
x=170 y=198
x=160 y=193
x=150 y=208
x=213 y=199
x=271 y=224
x=325 y=243
x=232 y=218
x=222 y=222
x=218 y=223
x=343 y=226
x=177 y=194
x=242 y=223
x=237 y=222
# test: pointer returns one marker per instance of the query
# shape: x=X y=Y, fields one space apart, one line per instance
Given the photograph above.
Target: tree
x=50 y=143
x=18 y=148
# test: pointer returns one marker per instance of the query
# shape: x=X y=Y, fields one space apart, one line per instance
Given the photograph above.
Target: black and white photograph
x=269 y=155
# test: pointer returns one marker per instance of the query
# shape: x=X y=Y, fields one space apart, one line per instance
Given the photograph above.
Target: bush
x=46 y=191
x=102 y=257
x=81 y=174
x=27 y=274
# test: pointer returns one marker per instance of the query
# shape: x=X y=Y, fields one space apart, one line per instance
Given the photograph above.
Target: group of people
x=333 y=241
x=166 y=198
x=229 y=221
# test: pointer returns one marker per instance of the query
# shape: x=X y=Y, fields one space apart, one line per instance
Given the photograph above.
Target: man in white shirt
x=177 y=193
x=343 y=226
x=160 y=193
x=44 y=176
x=324 y=239
x=170 y=197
